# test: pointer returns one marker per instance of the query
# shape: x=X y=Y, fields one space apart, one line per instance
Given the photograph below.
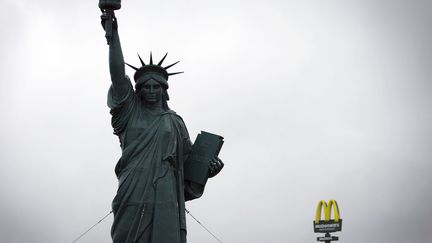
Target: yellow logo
x=328 y=224
x=327 y=211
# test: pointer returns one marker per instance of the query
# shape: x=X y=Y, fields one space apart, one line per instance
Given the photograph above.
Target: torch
x=107 y=7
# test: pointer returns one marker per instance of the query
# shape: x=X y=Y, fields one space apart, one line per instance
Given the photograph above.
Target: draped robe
x=149 y=206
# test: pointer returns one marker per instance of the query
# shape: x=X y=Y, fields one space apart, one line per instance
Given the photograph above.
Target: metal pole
x=327 y=235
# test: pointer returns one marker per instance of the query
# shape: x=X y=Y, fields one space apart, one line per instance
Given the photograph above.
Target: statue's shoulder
x=174 y=115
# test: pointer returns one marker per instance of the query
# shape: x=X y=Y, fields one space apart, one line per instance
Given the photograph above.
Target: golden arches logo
x=328 y=224
x=327 y=211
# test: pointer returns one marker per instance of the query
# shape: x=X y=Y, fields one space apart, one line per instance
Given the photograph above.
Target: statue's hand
x=215 y=166
x=105 y=16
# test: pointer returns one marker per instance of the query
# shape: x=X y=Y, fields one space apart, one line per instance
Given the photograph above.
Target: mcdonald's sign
x=327 y=225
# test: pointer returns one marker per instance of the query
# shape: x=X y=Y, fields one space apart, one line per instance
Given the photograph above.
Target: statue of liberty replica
x=152 y=173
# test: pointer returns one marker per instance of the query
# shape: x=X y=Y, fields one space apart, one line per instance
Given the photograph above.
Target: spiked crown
x=153 y=68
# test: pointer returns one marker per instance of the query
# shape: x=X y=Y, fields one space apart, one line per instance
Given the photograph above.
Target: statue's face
x=151 y=91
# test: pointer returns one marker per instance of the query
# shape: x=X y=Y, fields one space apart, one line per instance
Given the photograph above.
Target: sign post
x=327 y=225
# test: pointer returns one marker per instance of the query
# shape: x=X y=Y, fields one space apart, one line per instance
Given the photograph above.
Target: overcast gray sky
x=316 y=100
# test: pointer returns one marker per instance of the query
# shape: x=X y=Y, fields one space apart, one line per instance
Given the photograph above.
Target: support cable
x=79 y=237
x=187 y=211
x=102 y=219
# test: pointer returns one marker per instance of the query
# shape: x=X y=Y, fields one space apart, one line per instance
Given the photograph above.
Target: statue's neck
x=154 y=108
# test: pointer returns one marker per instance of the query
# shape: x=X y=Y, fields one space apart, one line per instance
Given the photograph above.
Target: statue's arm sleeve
x=192 y=190
x=121 y=107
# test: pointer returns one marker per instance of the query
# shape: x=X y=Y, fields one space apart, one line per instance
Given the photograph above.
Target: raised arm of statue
x=116 y=61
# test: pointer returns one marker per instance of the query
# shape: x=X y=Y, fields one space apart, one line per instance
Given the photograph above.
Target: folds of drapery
x=149 y=205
